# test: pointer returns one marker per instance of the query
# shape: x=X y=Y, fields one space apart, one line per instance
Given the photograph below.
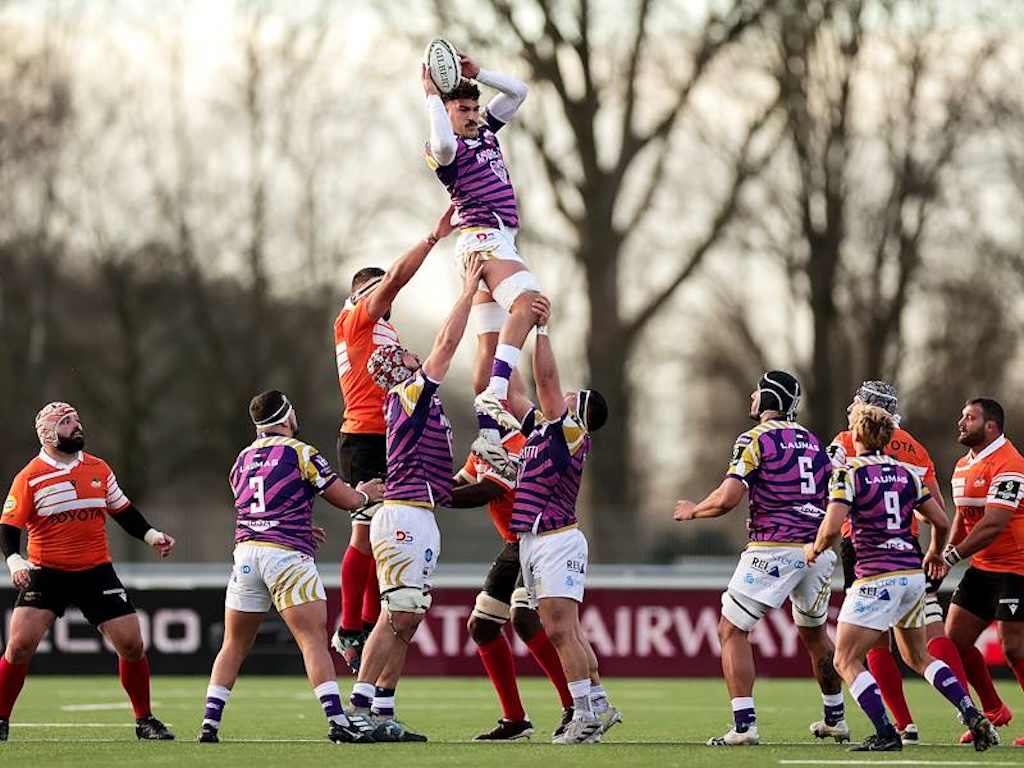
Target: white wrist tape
x=17 y=563
x=542 y=330
x=366 y=498
x=154 y=537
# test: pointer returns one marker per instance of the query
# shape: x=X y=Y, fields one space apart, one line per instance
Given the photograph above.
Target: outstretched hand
x=165 y=546
x=470 y=68
x=685 y=510
x=473 y=275
x=447 y=224
x=428 y=82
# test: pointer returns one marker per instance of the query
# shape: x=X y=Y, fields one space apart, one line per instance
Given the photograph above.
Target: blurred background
x=707 y=190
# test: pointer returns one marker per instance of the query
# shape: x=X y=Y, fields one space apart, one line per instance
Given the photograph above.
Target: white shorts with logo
x=554 y=564
x=894 y=599
x=770 y=573
x=492 y=243
x=265 y=575
x=406 y=543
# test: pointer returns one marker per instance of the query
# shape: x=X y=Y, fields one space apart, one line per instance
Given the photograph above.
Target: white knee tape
x=513 y=286
x=489 y=317
x=408 y=599
x=741 y=611
x=932 y=609
x=490 y=609
x=521 y=598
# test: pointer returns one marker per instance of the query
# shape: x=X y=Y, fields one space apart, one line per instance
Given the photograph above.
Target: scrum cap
x=49 y=417
x=386 y=367
x=778 y=391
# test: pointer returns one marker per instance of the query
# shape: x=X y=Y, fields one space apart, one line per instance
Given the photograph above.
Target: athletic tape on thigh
x=743 y=612
x=408 y=599
x=491 y=609
x=932 y=609
x=520 y=598
x=513 y=286
x=489 y=317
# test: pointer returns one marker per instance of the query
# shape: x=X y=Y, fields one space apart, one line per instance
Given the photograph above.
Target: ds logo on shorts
x=404 y=537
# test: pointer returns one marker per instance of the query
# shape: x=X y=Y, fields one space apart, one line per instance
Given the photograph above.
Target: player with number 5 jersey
x=785 y=469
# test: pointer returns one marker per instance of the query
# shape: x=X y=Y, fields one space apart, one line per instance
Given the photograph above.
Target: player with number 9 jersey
x=882 y=494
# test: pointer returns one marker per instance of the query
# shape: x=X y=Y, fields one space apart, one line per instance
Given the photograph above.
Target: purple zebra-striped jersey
x=478 y=180
x=419 y=444
x=882 y=495
x=550 y=472
x=275 y=481
x=785 y=470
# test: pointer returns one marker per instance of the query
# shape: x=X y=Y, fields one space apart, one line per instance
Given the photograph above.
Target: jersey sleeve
x=19 y=503
x=315 y=469
x=840 y=486
x=116 y=498
x=573 y=432
x=746 y=457
x=836 y=451
x=1006 y=490
x=923 y=493
x=415 y=393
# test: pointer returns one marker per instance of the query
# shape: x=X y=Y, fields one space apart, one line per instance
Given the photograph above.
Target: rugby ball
x=443 y=62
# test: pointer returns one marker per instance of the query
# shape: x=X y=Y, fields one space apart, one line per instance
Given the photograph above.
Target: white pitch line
x=95 y=707
x=72 y=725
x=895 y=762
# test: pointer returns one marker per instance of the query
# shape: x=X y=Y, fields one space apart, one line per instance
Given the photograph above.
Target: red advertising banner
x=635 y=632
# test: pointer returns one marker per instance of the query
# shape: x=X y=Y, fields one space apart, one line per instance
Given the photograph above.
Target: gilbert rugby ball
x=443 y=62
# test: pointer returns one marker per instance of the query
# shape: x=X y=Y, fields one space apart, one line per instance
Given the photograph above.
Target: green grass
x=63 y=721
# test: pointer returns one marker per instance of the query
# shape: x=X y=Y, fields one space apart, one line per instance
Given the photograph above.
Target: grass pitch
x=81 y=721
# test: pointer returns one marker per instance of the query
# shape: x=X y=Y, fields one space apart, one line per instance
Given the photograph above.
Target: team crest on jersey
x=1008 y=490
x=10 y=504
x=980 y=482
x=96 y=483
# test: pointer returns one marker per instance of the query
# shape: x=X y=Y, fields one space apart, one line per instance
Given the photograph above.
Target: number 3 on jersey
x=258 y=505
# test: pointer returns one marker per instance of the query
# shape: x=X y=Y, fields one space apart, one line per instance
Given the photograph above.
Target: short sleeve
x=840 y=486
x=746 y=457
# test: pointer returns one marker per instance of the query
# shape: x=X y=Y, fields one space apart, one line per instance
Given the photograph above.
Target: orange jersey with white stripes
x=500 y=509
x=903 y=447
x=356 y=336
x=993 y=478
x=65 y=507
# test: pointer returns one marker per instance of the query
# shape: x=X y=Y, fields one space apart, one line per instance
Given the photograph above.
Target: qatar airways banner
x=635 y=632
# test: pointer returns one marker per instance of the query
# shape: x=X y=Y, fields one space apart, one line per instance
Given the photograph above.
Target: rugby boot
x=889 y=742
x=359 y=730
x=150 y=728
x=567 y=713
x=839 y=731
x=507 y=730
x=734 y=738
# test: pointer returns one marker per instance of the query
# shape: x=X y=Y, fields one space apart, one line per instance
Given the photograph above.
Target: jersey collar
x=994 y=446
x=60 y=464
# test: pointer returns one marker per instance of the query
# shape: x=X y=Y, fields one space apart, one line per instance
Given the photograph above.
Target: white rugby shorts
x=265 y=575
x=894 y=599
x=406 y=543
x=770 y=573
x=554 y=564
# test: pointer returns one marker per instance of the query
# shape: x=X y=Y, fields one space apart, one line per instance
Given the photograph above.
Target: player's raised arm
x=440 y=358
x=378 y=303
x=545 y=374
x=442 y=143
x=511 y=91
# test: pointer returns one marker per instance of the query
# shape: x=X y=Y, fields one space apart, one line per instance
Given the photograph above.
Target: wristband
x=366 y=499
x=17 y=563
x=154 y=537
x=542 y=330
x=431 y=240
x=951 y=555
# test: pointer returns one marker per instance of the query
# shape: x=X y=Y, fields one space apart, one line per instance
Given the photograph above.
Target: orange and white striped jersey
x=64 y=508
x=993 y=478
x=903 y=447
x=356 y=336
